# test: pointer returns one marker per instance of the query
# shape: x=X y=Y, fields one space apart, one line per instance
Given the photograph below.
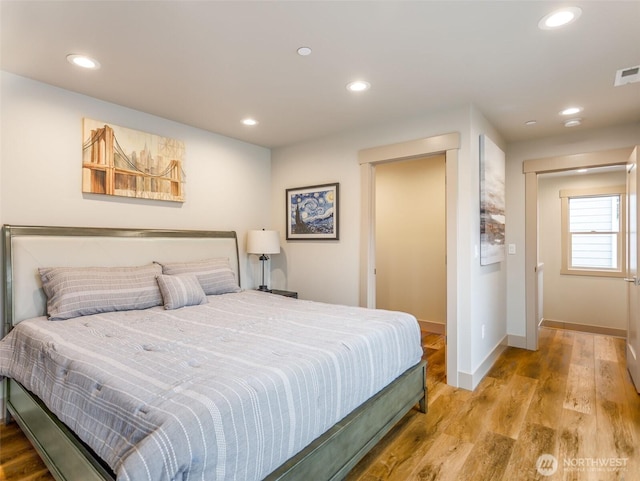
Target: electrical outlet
x=512 y=249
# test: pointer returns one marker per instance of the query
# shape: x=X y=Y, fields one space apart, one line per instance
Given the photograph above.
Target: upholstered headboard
x=25 y=248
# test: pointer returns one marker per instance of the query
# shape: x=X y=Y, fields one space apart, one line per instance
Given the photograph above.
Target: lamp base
x=264 y=288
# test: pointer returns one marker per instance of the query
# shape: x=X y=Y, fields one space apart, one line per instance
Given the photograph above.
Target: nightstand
x=284 y=293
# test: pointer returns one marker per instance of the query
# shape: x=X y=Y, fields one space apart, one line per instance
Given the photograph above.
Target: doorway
x=583 y=266
x=532 y=169
x=447 y=145
x=410 y=239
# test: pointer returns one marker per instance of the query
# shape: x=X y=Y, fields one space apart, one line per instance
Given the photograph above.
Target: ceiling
x=210 y=64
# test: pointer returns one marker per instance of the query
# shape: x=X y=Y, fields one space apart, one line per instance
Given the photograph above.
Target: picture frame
x=313 y=212
x=124 y=162
x=492 y=202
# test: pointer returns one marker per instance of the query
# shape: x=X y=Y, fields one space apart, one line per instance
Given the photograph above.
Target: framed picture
x=492 y=202
x=130 y=163
x=312 y=212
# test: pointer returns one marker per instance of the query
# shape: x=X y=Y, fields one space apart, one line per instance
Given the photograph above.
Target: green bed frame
x=329 y=457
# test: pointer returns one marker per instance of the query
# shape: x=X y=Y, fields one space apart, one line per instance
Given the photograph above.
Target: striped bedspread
x=227 y=390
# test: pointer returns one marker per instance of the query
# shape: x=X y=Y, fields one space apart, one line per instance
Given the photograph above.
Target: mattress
x=227 y=390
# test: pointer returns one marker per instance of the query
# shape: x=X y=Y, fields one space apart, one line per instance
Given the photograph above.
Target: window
x=593 y=228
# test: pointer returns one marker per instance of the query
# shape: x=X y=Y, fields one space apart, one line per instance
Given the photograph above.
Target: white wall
x=227 y=181
x=329 y=271
x=488 y=283
x=574 y=142
x=589 y=300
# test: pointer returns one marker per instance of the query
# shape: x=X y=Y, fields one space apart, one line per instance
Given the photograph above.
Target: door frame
x=447 y=145
x=531 y=168
x=631 y=342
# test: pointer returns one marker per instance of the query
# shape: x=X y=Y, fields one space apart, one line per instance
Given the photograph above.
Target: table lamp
x=262 y=243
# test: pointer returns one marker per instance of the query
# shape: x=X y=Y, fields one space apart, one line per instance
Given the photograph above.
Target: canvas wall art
x=492 y=202
x=312 y=212
x=130 y=163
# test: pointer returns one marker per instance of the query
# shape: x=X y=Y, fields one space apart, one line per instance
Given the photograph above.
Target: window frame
x=566 y=268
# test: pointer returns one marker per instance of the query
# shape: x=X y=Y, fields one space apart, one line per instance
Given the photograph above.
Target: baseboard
x=605 y=331
x=469 y=381
x=517 y=341
x=433 y=327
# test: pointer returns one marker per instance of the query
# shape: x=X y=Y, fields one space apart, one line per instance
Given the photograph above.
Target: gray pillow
x=180 y=291
x=215 y=274
x=82 y=291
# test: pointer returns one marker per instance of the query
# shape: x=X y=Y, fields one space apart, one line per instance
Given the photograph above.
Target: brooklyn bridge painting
x=130 y=163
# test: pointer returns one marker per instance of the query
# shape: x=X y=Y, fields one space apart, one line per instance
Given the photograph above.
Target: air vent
x=627 y=76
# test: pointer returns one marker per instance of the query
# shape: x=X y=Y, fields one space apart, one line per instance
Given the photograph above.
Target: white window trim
x=565 y=194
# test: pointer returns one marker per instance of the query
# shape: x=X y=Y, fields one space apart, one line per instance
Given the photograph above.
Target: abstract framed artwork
x=312 y=212
x=492 y=202
x=130 y=163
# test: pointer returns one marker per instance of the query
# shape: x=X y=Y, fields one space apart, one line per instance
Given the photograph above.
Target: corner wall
x=488 y=283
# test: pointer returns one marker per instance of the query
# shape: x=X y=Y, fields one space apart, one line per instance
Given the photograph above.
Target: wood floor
x=572 y=399
x=18 y=460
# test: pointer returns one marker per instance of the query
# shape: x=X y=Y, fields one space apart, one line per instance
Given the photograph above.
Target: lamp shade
x=263 y=242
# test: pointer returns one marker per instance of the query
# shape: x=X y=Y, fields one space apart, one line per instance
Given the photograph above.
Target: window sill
x=590 y=273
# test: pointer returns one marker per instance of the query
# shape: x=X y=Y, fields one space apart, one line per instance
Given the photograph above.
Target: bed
x=303 y=432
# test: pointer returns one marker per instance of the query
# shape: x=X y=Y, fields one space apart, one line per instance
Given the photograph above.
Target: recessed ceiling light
x=250 y=122
x=571 y=111
x=304 y=51
x=83 y=61
x=358 y=86
x=559 y=18
x=531 y=122
x=572 y=122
